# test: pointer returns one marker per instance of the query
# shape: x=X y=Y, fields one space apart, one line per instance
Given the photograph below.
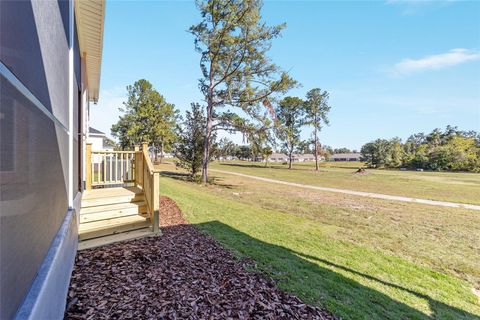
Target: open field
x=442 y=186
x=359 y=257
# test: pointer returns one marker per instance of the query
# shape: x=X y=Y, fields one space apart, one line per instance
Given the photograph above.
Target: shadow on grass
x=188 y=178
x=319 y=285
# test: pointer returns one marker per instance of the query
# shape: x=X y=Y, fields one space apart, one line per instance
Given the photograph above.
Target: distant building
x=278 y=157
x=309 y=157
x=98 y=140
x=281 y=157
x=353 y=156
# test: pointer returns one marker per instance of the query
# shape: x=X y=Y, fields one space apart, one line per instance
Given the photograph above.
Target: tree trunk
x=161 y=152
x=155 y=151
x=290 y=159
x=206 y=145
x=316 y=147
x=209 y=126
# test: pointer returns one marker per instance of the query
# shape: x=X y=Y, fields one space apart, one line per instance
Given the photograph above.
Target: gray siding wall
x=34 y=145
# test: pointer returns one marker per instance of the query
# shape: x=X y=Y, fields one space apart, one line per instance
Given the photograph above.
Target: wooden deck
x=109 y=215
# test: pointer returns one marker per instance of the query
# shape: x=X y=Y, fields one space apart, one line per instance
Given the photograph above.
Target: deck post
x=88 y=166
x=138 y=166
x=145 y=147
x=144 y=152
x=156 y=201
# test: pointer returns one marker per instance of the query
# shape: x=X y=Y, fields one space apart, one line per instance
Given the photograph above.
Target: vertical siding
x=34 y=171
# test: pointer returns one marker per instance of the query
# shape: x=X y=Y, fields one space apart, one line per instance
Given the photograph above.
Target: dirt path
x=181 y=274
x=358 y=193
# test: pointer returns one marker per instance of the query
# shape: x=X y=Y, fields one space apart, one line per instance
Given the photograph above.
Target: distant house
x=281 y=157
x=309 y=157
x=98 y=140
x=278 y=157
x=347 y=157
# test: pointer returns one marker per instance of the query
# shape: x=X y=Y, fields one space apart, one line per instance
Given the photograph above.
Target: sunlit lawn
x=446 y=186
x=361 y=258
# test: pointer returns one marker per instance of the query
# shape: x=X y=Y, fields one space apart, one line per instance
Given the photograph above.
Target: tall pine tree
x=233 y=42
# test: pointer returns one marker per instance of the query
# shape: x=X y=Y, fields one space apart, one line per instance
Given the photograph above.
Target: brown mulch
x=182 y=274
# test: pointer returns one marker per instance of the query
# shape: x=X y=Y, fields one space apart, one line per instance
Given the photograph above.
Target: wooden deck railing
x=109 y=168
x=149 y=180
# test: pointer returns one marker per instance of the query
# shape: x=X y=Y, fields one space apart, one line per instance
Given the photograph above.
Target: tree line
x=448 y=150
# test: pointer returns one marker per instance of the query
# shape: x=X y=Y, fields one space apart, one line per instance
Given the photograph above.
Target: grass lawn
x=445 y=186
x=361 y=258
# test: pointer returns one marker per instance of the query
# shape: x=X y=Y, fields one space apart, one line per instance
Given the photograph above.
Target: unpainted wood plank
x=111 y=200
x=113 y=229
x=119 y=237
x=102 y=191
x=111 y=207
x=113 y=214
x=120 y=221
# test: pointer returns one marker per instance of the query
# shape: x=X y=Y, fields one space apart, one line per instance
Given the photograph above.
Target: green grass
x=444 y=186
x=360 y=258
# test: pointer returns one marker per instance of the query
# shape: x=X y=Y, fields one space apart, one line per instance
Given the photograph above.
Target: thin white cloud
x=413 y=7
x=434 y=62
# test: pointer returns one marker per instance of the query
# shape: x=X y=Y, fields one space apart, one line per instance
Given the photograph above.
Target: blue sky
x=392 y=67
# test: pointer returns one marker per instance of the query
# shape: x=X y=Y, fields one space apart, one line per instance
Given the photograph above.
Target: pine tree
x=316 y=110
x=147 y=118
x=189 y=146
x=233 y=42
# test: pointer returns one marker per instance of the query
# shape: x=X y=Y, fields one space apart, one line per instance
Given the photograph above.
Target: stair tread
x=108 y=192
x=113 y=223
x=112 y=238
x=113 y=214
x=112 y=200
x=111 y=207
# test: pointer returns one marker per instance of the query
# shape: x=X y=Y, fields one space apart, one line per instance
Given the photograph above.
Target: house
x=310 y=157
x=281 y=157
x=278 y=157
x=352 y=156
x=50 y=62
x=58 y=194
x=98 y=140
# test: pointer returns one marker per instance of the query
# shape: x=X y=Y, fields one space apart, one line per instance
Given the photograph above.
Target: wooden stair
x=109 y=214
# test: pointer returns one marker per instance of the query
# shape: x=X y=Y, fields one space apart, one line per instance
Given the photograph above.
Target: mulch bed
x=182 y=274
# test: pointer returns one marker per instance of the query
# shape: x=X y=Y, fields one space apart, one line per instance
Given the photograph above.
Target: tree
x=377 y=153
x=327 y=151
x=266 y=152
x=122 y=131
x=189 y=147
x=342 y=150
x=396 y=153
x=244 y=152
x=110 y=143
x=260 y=143
x=233 y=43
x=225 y=148
x=305 y=147
x=452 y=150
x=147 y=118
x=290 y=116
x=164 y=134
x=316 y=110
